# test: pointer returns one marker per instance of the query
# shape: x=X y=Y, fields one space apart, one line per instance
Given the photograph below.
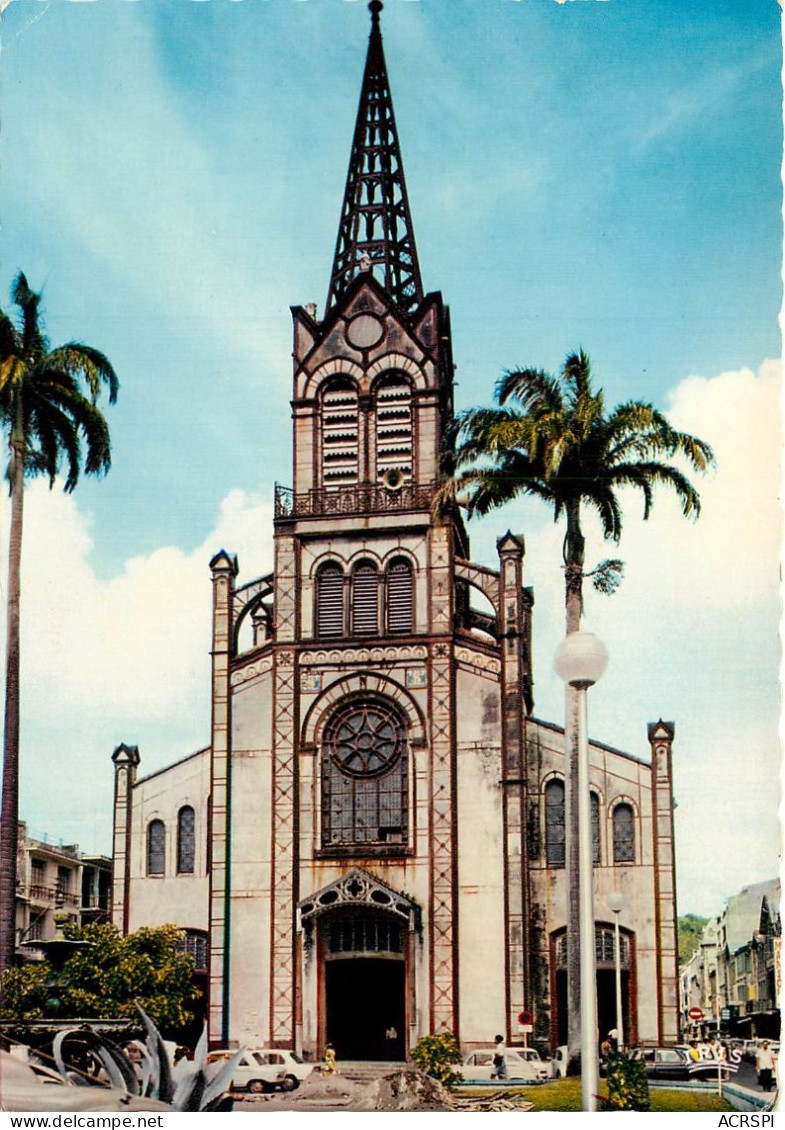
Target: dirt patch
x=406 y=1090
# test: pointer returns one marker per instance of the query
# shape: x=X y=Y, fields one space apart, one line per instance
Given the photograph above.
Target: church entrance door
x=365 y=1006
x=364 y=985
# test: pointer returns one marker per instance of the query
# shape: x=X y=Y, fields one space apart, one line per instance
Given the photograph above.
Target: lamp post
x=580 y=661
x=616 y=904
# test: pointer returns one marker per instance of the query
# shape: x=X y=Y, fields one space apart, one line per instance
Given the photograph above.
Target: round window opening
x=365 y=739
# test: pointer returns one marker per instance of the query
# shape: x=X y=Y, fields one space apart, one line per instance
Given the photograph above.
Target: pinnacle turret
x=375 y=232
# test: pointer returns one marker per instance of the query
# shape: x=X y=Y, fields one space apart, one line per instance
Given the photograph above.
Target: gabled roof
x=742 y=912
x=358 y=887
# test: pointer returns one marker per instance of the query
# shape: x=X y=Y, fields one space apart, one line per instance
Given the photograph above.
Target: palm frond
x=92 y=365
x=607 y=576
x=646 y=475
x=34 y=343
x=534 y=390
x=602 y=498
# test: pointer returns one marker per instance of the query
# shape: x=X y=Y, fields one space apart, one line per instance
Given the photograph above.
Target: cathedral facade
x=373 y=841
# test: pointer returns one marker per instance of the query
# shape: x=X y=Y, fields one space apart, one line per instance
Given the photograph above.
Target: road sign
x=695 y=1015
x=524 y=1017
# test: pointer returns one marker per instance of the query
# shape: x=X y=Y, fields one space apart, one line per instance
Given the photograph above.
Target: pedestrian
x=606 y=1048
x=764 y=1065
x=329 y=1061
x=694 y=1053
x=499 y=1059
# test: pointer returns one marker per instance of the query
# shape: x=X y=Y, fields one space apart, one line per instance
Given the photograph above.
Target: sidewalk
x=739 y=1095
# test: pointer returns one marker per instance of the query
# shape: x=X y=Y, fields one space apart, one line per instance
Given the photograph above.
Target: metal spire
x=375 y=231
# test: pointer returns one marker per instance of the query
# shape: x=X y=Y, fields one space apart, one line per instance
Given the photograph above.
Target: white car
x=523 y=1064
x=263 y=1069
x=559 y=1062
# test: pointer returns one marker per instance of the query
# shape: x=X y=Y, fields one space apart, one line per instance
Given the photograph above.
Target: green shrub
x=628 y=1087
x=435 y=1055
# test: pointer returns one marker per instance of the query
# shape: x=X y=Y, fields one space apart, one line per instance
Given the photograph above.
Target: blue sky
x=596 y=173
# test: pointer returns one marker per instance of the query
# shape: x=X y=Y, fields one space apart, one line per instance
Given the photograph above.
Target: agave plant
x=85 y=1058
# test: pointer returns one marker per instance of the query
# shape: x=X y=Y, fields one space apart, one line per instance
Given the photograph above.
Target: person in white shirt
x=499 y=1059
x=764 y=1065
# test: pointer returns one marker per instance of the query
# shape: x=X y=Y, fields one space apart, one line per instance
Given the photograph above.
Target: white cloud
x=123 y=659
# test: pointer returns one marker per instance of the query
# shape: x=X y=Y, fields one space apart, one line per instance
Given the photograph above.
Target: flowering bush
x=628 y=1087
x=435 y=1055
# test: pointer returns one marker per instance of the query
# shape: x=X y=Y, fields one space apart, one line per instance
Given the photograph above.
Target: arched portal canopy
x=359 y=889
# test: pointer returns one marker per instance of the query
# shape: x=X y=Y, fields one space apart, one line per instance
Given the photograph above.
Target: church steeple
x=375 y=232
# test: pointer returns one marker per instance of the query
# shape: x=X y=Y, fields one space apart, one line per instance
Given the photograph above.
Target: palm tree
x=49 y=421
x=550 y=437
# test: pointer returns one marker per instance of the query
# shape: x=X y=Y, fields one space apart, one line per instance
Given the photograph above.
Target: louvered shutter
x=394 y=427
x=339 y=434
x=400 y=598
x=365 y=601
x=329 y=602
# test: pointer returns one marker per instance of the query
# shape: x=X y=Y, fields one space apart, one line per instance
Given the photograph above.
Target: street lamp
x=580 y=661
x=616 y=904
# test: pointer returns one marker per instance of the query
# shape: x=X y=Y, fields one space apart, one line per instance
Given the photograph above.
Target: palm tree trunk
x=9 y=817
x=573 y=580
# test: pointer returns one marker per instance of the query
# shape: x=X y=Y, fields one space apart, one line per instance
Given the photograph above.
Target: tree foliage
x=108 y=977
x=436 y=1055
x=690 y=930
x=50 y=414
x=628 y=1087
x=552 y=437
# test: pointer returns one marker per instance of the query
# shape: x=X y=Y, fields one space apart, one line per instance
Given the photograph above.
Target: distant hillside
x=690 y=930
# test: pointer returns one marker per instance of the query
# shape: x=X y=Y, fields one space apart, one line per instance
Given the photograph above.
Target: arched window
x=623 y=834
x=195 y=944
x=156 y=847
x=339 y=433
x=364 y=773
x=394 y=429
x=554 y=823
x=400 y=597
x=595 y=828
x=186 y=840
x=365 y=600
x=329 y=600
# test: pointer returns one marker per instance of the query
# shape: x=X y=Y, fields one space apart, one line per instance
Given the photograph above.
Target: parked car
x=673 y=1062
x=265 y=1069
x=664 y=1062
x=559 y=1063
x=523 y=1065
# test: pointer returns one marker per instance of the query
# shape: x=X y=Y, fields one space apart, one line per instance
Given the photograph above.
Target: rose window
x=364 y=771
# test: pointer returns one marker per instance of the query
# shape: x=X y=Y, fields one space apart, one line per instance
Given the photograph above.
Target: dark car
x=664 y=1062
x=674 y=1062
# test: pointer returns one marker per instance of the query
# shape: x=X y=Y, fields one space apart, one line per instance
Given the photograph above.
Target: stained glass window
x=554 y=823
x=623 y=834
x=186 y=840
x=364 y=776
x=156 y=847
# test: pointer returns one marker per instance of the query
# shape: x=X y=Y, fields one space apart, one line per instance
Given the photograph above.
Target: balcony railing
x=41 y=893
x=354 y=498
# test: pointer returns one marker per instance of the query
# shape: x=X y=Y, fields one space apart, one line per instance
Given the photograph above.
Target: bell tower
x=364 y=594
x=373 y=378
